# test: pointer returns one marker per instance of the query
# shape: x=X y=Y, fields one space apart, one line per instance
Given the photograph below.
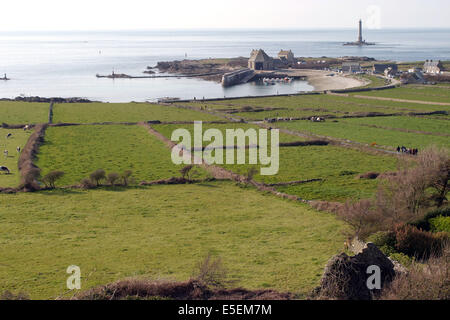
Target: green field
x=422 y=124
x=305 y=106
x=18 y=139
x=123 y=112
x=12 y=112
x=314 y=162
x=422 y=93
x=351 y=130
x=162 y=233
x=79 y=150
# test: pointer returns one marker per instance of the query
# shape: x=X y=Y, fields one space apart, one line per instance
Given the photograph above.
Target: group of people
x=403 y=149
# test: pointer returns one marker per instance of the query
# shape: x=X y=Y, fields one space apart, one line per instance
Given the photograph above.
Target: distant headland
x=360 y=41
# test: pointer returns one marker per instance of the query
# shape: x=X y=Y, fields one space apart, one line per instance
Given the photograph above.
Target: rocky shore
x=213 y=69
x=48 y=100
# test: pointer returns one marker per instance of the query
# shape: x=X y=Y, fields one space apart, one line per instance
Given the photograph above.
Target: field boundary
x=28 y=155
x=403 y=100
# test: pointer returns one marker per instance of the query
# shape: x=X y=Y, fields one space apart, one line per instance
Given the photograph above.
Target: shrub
x=185 y=171
x=97 y=176
x=211 y=272
x=424 y=223
x=125 y=176
x=440 y=224
x=402 y=258
x=382 y=238
x=50 y=178
x=86 y=184
x=418 y=243
x=424 y=281
x=112 y=178
x=30 y=177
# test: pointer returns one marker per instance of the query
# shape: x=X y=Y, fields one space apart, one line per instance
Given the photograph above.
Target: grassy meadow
x=162 y=233
x=17 y=112
x=352 y=130
x=124 y=112
x=79 y=150
x=18 y=139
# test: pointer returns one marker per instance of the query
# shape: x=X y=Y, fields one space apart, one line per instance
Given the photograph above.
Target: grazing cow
x=8 y=135
x=4 y=169
x=5 y=153
x=18 y=149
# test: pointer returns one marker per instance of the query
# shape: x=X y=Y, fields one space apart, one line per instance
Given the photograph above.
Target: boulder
x=345 y=277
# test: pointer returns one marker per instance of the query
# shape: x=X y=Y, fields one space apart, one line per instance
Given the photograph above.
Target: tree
x=186 y=170
x=125 y=176
x=50 y=178
x=97 y=176
x=112 y=178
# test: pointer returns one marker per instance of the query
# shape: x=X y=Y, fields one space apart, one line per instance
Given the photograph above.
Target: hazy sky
x=180 y=14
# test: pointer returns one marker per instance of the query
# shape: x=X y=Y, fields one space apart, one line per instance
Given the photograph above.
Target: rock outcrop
x=345 y=277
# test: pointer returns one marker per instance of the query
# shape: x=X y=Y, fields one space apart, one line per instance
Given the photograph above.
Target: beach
x=321 y=80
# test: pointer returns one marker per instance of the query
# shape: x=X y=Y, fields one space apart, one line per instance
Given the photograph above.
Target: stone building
x=351 y=67
x=259 y=60
x=381 y=68
x=434 y=67
x=287 y=55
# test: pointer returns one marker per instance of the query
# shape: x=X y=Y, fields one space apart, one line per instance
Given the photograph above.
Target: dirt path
x=402 y=100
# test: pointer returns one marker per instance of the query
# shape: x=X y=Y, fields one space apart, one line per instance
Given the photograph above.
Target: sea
x=65 y=64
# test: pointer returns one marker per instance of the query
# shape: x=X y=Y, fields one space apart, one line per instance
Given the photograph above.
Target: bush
x=403 y=259
x=86 y=184
x=97 y=176
x=424 y=281
x=424 y=223
x=50 y=178
x=125 y=176
x=211 y=273
x=185 y=171
x=440 y=224
x=30 y=176
x=418 y=243
x=382 y=238
x=112 y=178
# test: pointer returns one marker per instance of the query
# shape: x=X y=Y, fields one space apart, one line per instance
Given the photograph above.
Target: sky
x=62 y=15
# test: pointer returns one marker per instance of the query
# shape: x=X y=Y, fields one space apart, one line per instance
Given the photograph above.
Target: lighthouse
x=360 y=41
x=360 y=38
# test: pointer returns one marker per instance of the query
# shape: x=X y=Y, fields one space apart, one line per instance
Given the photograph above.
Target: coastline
x=321 y=81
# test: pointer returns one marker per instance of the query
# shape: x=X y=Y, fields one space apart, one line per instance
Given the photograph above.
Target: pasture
x=17 y=112
x=314 y=162
x=124 y=112
x=18 y=139
x=162 y=233
x=414 y=92
x=79 y=150
x=352 y=130
x=305 y=106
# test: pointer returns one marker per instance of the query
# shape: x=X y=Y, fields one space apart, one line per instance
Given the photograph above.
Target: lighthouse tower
x=360 y=38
